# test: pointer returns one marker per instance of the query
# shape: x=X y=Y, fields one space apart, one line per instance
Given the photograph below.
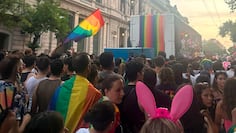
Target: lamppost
x=132 y=4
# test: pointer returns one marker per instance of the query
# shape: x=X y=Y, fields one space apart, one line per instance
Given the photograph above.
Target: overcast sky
x=206 y=16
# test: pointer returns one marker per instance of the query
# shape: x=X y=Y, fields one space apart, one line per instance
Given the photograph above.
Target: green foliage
x=10 y=12
x=46 y=16
x=232 y=50
x=231 y=4
x=228 y=28
x=43 y=17
x=212 y=48
x=33 y=46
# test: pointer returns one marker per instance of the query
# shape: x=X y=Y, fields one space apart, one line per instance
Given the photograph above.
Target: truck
x=165 y=32
x=128 y=52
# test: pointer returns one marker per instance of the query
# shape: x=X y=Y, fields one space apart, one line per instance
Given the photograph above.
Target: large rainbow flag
x=151 y=32
x=73 y=99
x=88 y=27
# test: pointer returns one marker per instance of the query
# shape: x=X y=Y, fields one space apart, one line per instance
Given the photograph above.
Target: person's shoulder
x=129 y=87
x=3 y=85
x=44 y=81
x=83 y=130
x=105 y=73
x=94 y=90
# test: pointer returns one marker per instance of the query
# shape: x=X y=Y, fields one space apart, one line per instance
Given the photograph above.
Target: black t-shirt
x=162 y=99
x=132 y=118
x=24 y=76
x=192 y=120
x=168 y=89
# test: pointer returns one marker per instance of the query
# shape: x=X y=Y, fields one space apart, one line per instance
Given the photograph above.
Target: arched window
x=4 y=41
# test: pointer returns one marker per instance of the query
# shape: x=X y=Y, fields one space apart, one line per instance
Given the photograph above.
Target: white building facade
x=114 y=33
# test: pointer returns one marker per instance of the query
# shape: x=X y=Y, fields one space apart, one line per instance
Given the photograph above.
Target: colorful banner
x=89 y=27
x=152 y=32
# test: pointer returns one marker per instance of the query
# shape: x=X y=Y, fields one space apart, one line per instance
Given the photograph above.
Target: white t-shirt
x=158 y=80
x=230 y=73
x=32 y=83
x=83 y=130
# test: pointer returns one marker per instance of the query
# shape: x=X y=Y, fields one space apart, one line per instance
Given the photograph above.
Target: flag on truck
x=151 y=32
x=88 y=27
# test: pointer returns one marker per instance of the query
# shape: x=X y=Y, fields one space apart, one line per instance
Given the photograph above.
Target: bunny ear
x=226 y=64
x=181 y=102
x=146 y=99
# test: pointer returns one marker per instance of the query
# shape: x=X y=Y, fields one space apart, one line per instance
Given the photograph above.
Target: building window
x=122 y=6
x=96 y=43
x=4 y=41
x=81 y=43
x=99 y=1
x=71 y=25
x=122 y=37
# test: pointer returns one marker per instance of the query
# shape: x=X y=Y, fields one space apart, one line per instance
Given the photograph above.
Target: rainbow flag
x=73 y=99
x=88 y=27
x=10 y=90
x=151 y=32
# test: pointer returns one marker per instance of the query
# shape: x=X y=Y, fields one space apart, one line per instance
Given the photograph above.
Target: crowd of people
x=82 y=93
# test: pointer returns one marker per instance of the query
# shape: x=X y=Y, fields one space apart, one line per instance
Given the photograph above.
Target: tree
x=232 y=50
x=231 y=4
x=11 y=11
x=212 y=47
x=46 y=16
x=228 y=28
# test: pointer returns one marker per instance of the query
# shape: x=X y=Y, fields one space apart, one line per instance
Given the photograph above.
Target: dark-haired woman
x=113 y=90
x=205 y=101
x=149 y=79
x=46 y=122
x=167 y=81
x=226 y=105
x=229 y=102
x=218 y=85
x=101 y=118
x=12 y=97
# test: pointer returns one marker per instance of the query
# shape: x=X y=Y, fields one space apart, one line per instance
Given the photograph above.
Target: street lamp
x=132 y=4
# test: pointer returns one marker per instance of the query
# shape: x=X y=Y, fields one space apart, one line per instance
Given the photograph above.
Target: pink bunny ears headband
x=179 y=106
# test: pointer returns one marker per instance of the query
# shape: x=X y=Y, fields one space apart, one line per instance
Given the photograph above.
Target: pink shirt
x=227 y=124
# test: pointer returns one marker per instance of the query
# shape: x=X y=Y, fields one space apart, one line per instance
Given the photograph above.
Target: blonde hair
x=160 y=125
